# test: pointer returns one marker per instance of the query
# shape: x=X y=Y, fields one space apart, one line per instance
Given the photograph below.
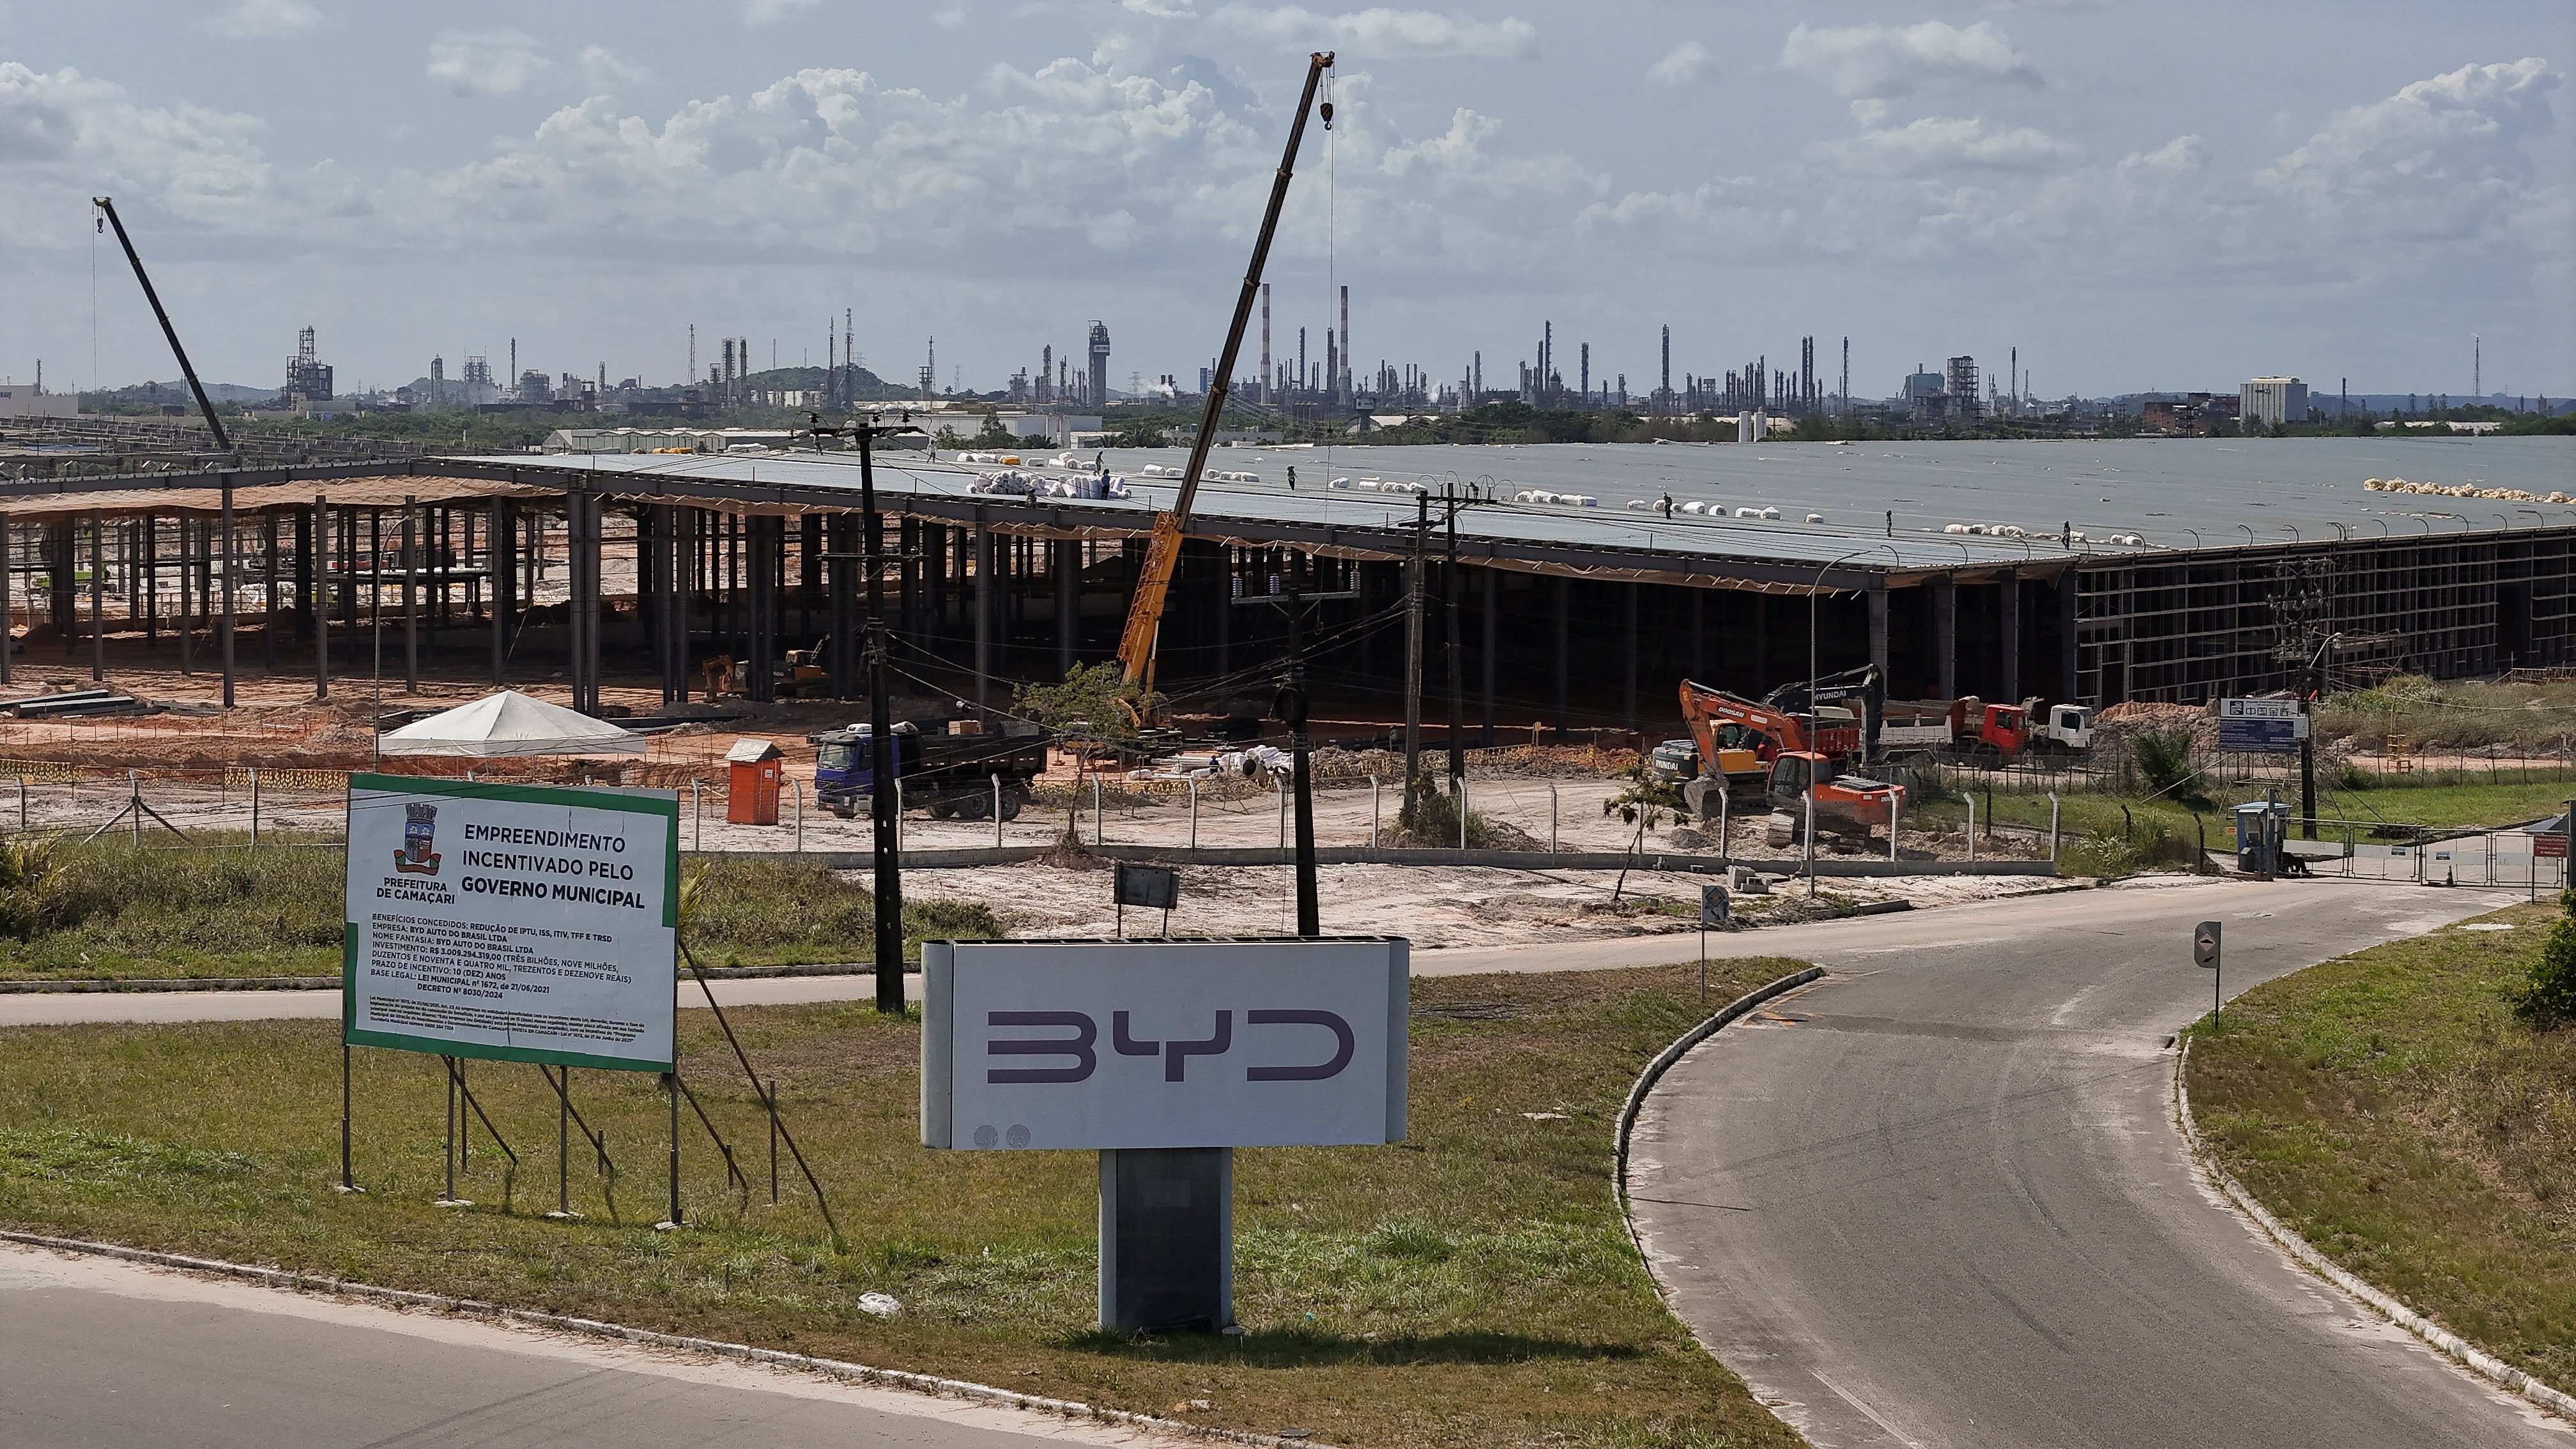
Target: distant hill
x=804 y=379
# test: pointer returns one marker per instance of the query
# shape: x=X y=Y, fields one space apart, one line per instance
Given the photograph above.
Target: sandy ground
x=1433 y=906
x=1565 y=812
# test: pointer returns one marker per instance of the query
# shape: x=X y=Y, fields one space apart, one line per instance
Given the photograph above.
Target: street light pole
x=1815 y=677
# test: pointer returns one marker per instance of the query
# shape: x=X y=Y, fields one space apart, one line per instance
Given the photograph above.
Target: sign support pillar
x=1166 y=1238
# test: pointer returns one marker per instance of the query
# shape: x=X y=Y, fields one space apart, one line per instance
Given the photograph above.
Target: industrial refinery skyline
x=2337 y=193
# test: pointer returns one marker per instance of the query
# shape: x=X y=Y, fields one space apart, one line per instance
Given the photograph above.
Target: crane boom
x=1163 y=554
x=204 y=408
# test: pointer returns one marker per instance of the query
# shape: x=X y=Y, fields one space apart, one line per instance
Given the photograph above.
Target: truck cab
x=2004 y=729
x=2070 y=727
x=844 y=764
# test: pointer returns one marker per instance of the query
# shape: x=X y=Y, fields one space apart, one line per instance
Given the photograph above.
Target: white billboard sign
x=1032 y=1045
x=522 y=922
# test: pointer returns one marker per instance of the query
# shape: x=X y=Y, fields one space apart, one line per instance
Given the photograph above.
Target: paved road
x=1939 y=1199
x=97 y=1354
x=2067 y=910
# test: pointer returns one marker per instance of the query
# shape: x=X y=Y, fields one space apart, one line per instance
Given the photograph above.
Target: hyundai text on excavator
x=1136 y=645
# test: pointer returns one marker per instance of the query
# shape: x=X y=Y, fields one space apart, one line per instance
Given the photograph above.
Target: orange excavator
x=1163 y=554
x=1739 y=738
x=1794 y=746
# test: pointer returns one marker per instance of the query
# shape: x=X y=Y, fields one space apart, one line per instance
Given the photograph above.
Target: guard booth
x=751 y=792
x=2262 y=832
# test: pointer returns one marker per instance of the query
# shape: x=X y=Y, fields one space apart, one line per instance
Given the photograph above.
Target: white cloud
x=2442 y=158
x=264 y=20
x=770 y=12
x=951 y=17
x=1681 y=66
x=603 y=69
x=1887 y=60
x=65 y=137
x=1383 y=34
x=486 y=62
x=1946 y=143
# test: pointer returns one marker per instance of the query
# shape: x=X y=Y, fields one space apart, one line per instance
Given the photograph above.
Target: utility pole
x=1457 y=689
x=1413 y=656
x=1292 y=710
x=883 y=768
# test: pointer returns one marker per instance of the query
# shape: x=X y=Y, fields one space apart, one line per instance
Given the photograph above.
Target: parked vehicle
x=1970 y=728
x=950 y=776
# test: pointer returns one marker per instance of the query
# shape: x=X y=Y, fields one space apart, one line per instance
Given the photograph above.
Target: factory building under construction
x=1586 y=580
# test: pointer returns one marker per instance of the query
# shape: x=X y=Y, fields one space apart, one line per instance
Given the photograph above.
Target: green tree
x=1140 y=435
x=2547 y=998
x=1093 y=702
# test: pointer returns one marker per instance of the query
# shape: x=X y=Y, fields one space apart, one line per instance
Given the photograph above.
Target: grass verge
x=116 y=911
x=1473 y=1286
x=2099 y=838
x=2387 y=1106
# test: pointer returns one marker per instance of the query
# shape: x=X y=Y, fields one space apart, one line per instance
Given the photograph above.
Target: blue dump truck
x=953 y=777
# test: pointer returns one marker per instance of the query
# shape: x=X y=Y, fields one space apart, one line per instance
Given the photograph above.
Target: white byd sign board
x=522 y=922
x=1035 y=1045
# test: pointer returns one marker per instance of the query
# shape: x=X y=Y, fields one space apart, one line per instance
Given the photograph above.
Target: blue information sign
x=2261 y=726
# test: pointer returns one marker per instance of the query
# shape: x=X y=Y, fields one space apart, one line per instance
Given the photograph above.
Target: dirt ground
x=1434 y=906
x=192 y=771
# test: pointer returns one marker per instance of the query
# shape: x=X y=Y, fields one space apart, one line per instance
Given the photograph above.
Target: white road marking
x=1869 y=1413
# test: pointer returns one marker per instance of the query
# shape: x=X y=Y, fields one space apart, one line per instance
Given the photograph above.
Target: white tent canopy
x=509 y=723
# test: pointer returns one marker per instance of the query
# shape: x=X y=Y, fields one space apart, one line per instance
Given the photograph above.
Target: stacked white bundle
x=1005 y=481
x=2462 y=490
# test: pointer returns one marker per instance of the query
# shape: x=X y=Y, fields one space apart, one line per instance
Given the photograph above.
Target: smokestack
x=1342 y=379
x=1265 y=342
x=1587 y=374
x=1846 y=387
x=1664 y=394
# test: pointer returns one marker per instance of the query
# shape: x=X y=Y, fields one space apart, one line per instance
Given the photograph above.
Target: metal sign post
x=1149 y=887
x=2204 y=954
x=1714 y=907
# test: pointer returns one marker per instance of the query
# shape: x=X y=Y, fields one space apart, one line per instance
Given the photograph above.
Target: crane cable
x=1332 y=258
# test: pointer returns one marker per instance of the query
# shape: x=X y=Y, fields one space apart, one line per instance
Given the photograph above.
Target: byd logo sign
x=1080 y=1051
x=1118 y=1044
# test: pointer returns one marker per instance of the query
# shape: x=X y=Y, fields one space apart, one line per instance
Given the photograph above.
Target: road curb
x=1663 y=1063
x=107 y=984
x=841 y=1369
x=2485 y=1365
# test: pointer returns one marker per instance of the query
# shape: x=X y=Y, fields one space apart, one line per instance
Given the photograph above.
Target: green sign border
x=634 y=802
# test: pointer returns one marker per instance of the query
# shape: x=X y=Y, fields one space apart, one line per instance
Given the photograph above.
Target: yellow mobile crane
x=1163 y=554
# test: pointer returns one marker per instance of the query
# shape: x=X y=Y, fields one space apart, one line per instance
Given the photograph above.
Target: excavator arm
x=1764 y=732
x=1136 y=645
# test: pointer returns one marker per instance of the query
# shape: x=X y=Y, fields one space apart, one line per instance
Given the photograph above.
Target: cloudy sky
x=2173 y=195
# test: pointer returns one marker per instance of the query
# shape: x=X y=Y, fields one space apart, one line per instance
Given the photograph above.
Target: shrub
x=2547 y=998
x=2164 y=757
